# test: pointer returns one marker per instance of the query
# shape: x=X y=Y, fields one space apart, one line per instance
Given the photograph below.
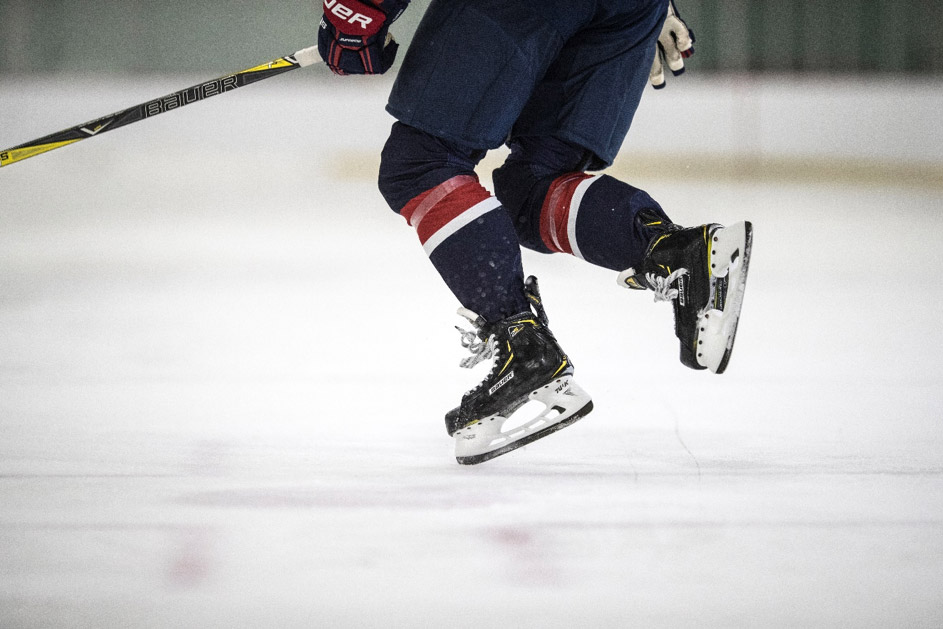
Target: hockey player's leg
x=471 y=242
x=558 y=208
x=463 y=229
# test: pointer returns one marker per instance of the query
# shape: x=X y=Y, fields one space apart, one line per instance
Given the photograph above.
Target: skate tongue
x=532 y=292
x=629 y=279
x=472 y=317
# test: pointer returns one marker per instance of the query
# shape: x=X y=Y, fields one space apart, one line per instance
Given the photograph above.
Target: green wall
x=818 y=36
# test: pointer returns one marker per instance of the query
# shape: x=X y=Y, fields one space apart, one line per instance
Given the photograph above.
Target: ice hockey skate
x=703 y=272
x=528 y=366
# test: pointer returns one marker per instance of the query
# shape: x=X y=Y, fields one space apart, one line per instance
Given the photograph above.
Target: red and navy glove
x=354 y=35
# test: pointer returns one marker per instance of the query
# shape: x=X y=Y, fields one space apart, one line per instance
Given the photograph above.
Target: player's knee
x=518 y=189
x=398 y=162
x=522 y=182
x=413 y=162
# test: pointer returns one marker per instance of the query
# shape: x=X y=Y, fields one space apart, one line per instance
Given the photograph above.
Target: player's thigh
x=473 y=64
x=590 y=93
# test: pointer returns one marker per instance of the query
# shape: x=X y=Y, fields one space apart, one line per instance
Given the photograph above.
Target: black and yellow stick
x=300 y=59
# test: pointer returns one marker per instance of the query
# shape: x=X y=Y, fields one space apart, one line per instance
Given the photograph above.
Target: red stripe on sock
x=555 y=212
x=432 y=210
x=419 y=205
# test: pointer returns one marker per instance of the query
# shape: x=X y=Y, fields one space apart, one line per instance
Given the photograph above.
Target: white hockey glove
x=675 y=44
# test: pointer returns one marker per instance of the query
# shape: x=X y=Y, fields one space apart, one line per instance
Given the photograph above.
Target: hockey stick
x=300 y=59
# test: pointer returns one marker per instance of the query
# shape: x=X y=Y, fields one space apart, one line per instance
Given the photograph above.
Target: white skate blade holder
x=564 y=403
x=729 y=258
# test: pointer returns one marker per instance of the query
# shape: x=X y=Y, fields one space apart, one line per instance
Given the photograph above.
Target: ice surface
x=224 y=365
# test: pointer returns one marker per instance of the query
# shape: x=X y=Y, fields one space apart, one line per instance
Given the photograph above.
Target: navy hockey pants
x=481 y=71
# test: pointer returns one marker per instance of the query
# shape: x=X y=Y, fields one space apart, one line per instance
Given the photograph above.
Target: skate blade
x=717 y=328
x=564 y=403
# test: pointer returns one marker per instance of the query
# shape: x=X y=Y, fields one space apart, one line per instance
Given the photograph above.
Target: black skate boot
x=529 y=366
x=703 y=272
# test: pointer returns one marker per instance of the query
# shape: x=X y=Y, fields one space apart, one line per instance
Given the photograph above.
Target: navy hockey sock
x=599 y=219
x=557 y=207
x=467 y=234
x=471 y=242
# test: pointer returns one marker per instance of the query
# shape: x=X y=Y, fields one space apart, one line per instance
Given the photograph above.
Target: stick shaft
x=300 y=59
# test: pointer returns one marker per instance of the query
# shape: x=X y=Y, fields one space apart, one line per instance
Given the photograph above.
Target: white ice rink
x=224 y=365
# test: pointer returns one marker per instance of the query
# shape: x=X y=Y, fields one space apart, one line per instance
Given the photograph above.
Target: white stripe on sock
x=574 y=210
x=473 y=213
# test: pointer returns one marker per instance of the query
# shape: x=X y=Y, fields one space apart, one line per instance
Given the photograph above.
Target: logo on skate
x=503 y=381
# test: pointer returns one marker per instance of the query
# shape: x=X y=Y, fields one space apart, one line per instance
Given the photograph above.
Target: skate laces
x=661 y=286
x=480 y=350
